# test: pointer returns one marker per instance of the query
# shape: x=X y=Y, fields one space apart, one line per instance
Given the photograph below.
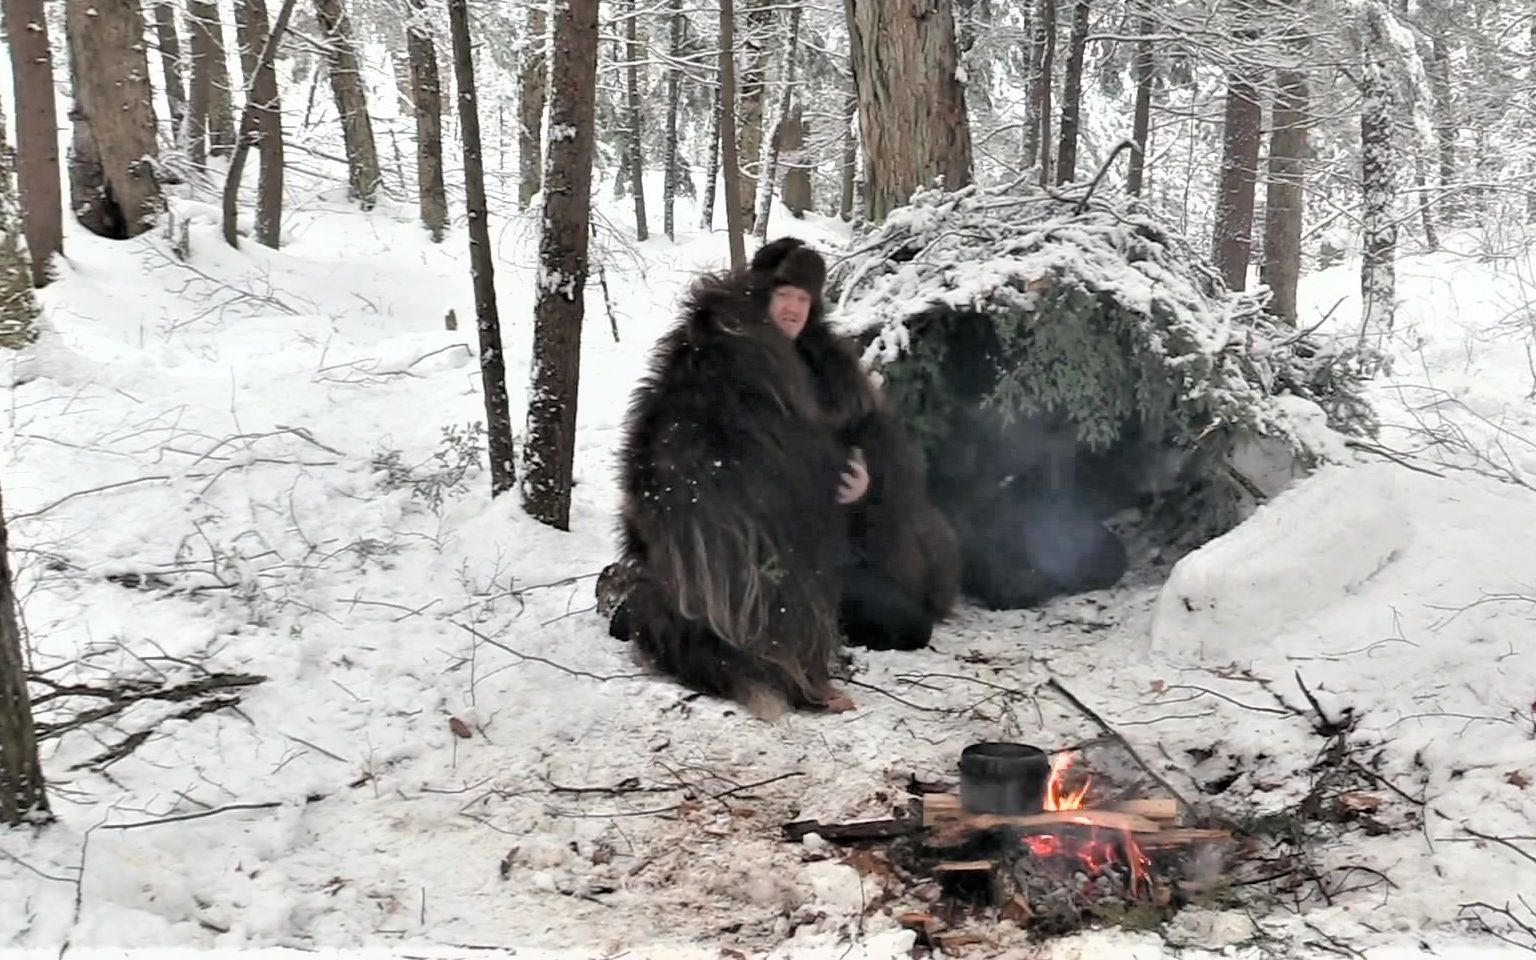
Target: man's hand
x=855 y=481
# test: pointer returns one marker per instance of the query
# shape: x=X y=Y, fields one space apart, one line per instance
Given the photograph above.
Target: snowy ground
x=218 y=425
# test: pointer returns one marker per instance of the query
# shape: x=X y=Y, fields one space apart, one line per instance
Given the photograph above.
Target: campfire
x=1037 y=840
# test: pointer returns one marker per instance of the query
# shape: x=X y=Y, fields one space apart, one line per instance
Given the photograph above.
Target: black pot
x=1003 y=778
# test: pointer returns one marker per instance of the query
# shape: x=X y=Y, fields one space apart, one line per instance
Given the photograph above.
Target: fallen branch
x=120 y=699
x=181 y=817
x=138 y=738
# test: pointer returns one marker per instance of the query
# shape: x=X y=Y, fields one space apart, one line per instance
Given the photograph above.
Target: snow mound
x=1298 y=555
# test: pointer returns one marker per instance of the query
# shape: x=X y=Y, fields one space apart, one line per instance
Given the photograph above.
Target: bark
x=209 y=105
x=23 y=798
x=754 y=90
x=728 y=159
x=112 y=176
x=363 y=175
x=676 y=21
x=707 y=204
x=37 y=137
x=798 y=198
x=1040 y=85
x=532 y=83
x=549 y=453
x=634 y=123
x=1285 y=202
x=482 y=262
x=1426 y=206
x=1239 y=175
x=912 y=117
x=261 y=123
x=1444 y=123
x=19 y=308
x=850 y=158
x=1072 y=94
x=1530 y=94
x=769 y=166
x=1143 y=64
x=427 y=96
x=170 y=66
x=1378 y=268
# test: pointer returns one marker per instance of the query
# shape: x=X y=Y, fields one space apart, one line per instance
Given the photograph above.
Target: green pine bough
x=1091 y=312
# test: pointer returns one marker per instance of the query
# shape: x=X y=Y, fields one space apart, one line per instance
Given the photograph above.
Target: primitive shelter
x=1079 y=378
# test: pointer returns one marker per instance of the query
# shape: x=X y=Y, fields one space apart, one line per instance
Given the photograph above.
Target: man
x=744 y=538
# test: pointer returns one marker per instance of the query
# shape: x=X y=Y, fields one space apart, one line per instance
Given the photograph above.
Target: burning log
x=1041 y=852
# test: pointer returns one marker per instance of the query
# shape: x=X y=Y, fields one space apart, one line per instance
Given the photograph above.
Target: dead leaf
x=1517 y=779
x=460 y=728
x=1158 y=686
x=1359 y=801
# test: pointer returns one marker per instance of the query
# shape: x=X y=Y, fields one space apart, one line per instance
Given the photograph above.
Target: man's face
x=790 y=308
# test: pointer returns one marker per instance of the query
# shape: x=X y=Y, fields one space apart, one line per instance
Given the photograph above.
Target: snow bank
x=1299 y=555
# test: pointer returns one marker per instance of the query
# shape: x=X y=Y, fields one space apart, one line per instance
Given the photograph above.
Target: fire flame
x=1096 y=853
x=1055 y=796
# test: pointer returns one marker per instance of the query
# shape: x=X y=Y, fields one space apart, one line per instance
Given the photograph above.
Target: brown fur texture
x=895 y=527
x=730 y=521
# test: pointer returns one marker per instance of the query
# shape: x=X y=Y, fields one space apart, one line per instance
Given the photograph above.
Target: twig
x=1502 y=841
x=572 y=671
x=1117 y=737
x=670 y=808
x=180 y=817
x=1114 y=154
x=886 y=693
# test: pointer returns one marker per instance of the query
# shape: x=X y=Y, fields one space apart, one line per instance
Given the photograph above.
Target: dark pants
x=875 y=613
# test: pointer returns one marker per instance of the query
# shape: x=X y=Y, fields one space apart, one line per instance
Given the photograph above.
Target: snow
x=224 y=424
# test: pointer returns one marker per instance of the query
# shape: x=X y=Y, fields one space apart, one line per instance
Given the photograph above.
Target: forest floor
x=306 y=686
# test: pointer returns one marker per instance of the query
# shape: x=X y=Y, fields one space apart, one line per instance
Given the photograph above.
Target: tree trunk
x=676 y=20
x=363 y=175
x=170 y=67
x=707 y=204
x=1378 y=268
x=768 y=168
x=754 y=89
x=633 y=124
x=1426 y=206
x=482 y=262
x=19 y=308
x=1142 y=65
x=113 y=179
x=850 y=157
x=37 y=133
x=532 y=81
x=912 y=117
x=23 y=798
x=1285 y=201
x=797 y=178
x=427 y=95
x=1239 y=175
x=211 y=109
x=257 y=62
x=1530 y=95
x=1072 y=94
x=1444 y=123
x=728 y=160
x=1040 y=86
x=262 y=121
x=549 y=452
